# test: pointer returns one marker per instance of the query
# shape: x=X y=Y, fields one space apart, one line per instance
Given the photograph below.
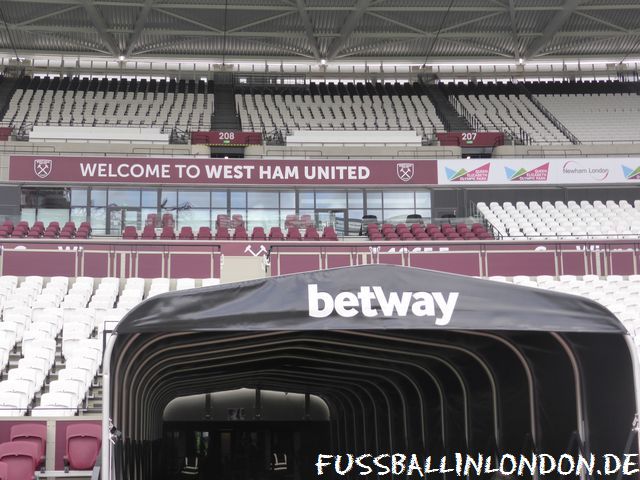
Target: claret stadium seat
x=276 y=234
x=22 y=459
x=204 y=233
x=240 y=233
x=293 y=234
x=186 y=233
x=311 y=234
x=258 y=234
x=222 y=233
x=149 y=233
x=83 y=443
x=329 y=233
x=31 y=432
x=167 y=233
x=130 y=233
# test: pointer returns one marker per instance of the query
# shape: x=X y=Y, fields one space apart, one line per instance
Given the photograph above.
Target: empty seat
x=258 y=234
x=130 y=233
x=83 y=443
x=149 y=233
x=240 y=233
x=204 y=233
x=21 y=458
x=329 y=233
x=186 y=233
x=311 y=234
x=222 y=233
x=167 y=233
x=293 y=234
x=276 y=234
x=34 y=433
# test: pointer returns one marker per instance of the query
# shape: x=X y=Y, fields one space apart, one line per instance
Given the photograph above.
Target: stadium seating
x=51 y=329
x=340 y=107
x=431 y=231
x=37 y=230
x=597 y=118
x=573 y=220
x=70 y=101
x=510 y=113
x=21 y=458
x=83 y=443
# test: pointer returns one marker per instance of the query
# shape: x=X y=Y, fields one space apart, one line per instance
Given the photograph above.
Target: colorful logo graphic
x=480 y=174
x=537 y=174
x=630 y=173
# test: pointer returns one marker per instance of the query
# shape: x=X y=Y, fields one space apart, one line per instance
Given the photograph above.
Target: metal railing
x=553 y=119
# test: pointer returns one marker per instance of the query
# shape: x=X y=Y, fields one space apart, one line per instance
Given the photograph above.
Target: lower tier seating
x=569 y=221
x=51 y=337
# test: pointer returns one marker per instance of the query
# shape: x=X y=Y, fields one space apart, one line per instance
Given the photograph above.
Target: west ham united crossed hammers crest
x=42 y=167
x=405 y=171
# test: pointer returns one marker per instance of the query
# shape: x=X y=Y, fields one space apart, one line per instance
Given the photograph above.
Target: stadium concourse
x=245 y=240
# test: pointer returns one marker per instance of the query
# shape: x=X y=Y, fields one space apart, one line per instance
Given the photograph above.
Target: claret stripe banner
x=209 y=171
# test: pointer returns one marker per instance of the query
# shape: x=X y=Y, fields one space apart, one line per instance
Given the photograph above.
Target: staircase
x=452 y=121
x=7 y=88
x=224 y=116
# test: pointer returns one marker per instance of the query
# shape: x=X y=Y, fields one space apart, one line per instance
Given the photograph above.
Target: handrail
x=552 y=118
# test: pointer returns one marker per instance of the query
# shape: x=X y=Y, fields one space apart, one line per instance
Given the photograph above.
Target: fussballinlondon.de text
x=465 y=465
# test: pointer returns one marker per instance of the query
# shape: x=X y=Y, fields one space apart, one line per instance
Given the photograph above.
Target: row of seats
x=224 y=233
x=331 y=112
x=37 y=230
x=54 y=106
x=573 y=220
x=51 y=336
x=418 y=231
x=24 y=454
x=510 y=113
x=611 y=117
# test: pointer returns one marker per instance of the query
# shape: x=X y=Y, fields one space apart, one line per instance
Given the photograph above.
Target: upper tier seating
x=340 y=107
x=573 y=220
x=593 y=112
x=112 y=102
x=503 y=108
x=594 y=118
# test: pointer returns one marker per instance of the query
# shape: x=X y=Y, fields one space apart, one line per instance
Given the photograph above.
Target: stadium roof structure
x=315 y=30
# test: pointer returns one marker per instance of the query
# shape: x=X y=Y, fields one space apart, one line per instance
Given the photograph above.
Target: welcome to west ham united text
x=463 y=465
x=168 y=171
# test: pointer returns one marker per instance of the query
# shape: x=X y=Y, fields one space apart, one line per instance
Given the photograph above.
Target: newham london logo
x=372 y=301
x=480 y=174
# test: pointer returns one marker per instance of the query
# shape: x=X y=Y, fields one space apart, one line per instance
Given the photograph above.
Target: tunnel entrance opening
x=405 y=360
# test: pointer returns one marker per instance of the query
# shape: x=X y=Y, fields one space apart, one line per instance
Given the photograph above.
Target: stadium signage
x=206 y=171
x=539 y=171
x=372 y=301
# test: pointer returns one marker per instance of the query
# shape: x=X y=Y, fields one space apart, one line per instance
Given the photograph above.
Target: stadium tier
x=347 y=109
x=573 y=220
x=110 y=102
x=249 y=240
